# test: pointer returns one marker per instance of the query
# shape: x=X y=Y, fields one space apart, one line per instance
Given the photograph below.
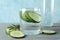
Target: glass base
x=32 y=32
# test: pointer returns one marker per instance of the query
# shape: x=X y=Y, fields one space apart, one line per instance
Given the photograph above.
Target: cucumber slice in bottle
x=48 y=32
x=16 y=34
x=34 y=17
x=23 y=17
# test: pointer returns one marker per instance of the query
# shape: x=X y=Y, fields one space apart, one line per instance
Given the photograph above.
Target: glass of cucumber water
x=30 y=20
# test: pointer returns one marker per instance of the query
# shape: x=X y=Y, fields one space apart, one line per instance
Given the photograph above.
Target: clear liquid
x=30 y=28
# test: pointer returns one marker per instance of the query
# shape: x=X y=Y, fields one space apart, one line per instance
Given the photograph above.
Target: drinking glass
x=30 y=20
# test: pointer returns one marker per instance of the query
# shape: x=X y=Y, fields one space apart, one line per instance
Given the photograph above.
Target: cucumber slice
x=16 y=34
x=12 y=28
x=8 y=30
x=28 y=17
x=48 y=32
x=34 y=17
x=23 y=17
x=16 y=27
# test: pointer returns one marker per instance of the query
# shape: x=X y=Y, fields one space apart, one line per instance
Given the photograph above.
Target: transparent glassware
x=47 y=16
x=46 y=11
x=30 y=28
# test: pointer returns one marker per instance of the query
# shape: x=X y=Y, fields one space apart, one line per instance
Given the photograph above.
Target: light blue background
x=9 y=9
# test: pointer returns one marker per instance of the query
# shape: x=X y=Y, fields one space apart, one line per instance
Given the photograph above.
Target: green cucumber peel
x=28 y=15
x=22 y=16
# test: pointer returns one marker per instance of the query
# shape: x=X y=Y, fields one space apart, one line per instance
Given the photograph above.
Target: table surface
x=4 y=36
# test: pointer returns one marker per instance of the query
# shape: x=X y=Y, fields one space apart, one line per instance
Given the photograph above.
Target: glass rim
x=30 y=9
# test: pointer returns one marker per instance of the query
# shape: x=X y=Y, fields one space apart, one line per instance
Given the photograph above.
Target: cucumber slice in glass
x=33 y=17
x=27 y=16
x=16 y=34
x=23 y=17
